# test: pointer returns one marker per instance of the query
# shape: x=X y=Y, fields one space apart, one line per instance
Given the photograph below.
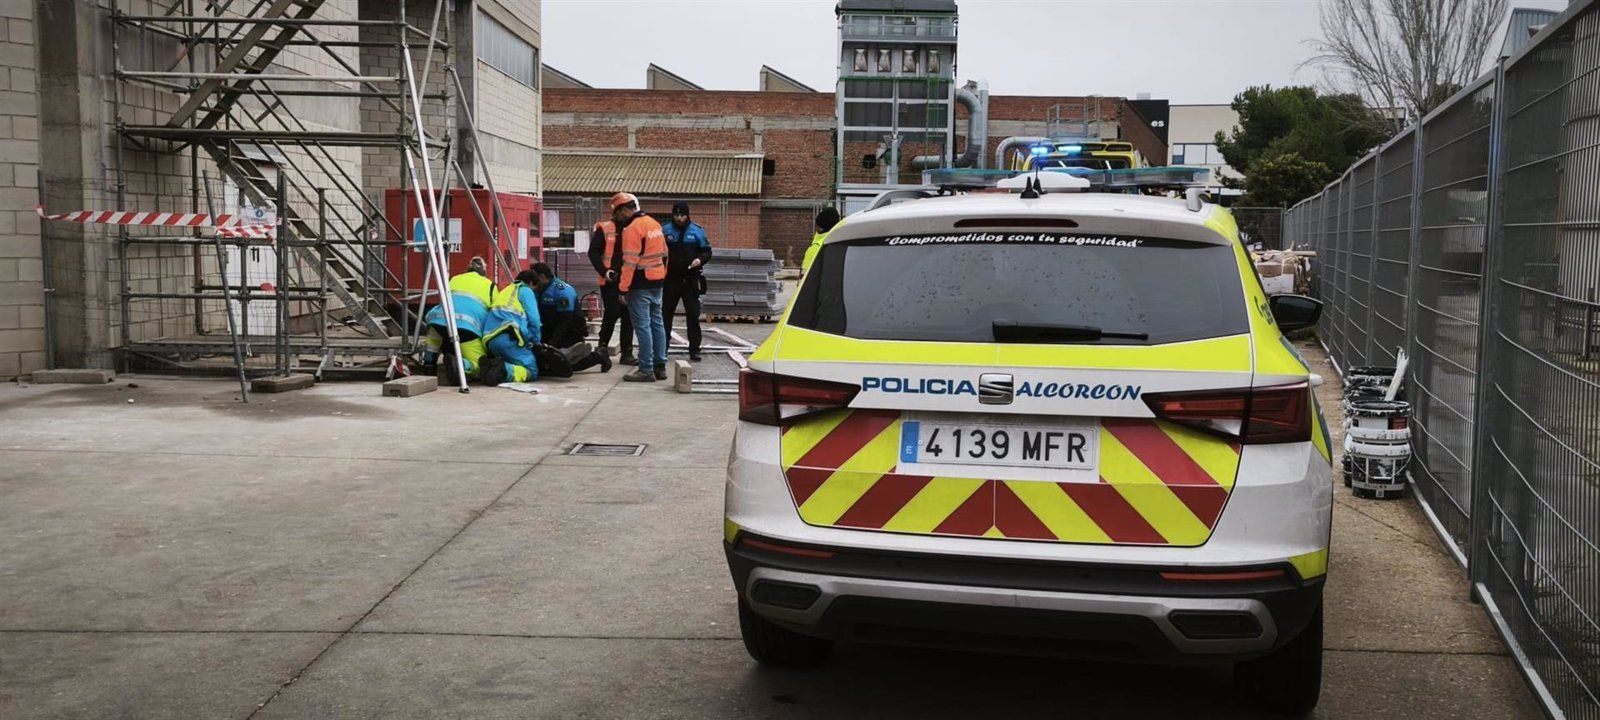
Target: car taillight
x=1275 y=414
x=780 y=400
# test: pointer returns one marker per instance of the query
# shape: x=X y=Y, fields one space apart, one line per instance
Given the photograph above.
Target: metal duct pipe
x=1007 y=144
x=975 y=97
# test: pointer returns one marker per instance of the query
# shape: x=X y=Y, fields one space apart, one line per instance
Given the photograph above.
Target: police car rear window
x=955 y=288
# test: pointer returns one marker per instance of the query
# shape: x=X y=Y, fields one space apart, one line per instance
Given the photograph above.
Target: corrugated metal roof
x=602 y=172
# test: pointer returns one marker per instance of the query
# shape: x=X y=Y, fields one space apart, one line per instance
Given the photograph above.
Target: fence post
x=1419 y=154
x=1372 y=253
x=1480 y=515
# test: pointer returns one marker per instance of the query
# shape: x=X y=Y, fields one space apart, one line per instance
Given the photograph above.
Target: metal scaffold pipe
x=430 y=228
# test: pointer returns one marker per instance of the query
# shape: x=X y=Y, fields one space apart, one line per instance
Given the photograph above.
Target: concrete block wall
x=22 y=341
x=504 y=106
x=509 y=141
x=382 y=168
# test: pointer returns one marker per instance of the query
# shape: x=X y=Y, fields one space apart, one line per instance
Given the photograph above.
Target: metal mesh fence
x=1391 y=253
x=1537 y=552
x=1452 y=211
x=1332 y=262
x=1472 y=241
x=1358 y=262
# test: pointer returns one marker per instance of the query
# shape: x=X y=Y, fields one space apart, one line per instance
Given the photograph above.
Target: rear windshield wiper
x=1012 y=331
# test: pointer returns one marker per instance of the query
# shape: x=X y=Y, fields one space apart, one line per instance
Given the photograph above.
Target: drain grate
x=605 y=450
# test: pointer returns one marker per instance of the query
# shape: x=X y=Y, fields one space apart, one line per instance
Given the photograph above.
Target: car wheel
x=1288 y=681
x=773 y=644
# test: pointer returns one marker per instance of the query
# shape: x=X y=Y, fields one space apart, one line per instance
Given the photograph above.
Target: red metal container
x=466 y=236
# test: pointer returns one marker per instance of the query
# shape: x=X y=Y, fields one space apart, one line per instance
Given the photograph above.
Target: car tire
x=773 y=644
x=1289 y=681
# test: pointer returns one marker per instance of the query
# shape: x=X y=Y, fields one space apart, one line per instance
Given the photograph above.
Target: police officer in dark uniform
x=688 y=251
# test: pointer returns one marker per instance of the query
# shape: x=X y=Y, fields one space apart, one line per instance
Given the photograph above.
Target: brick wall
x=795 y=130
x=710 y=102
x=804 y=161
x=694 y=139
x=1136 y=129
x=570 y=136
x=22 y=340
x=788 y=232
x=728 y=223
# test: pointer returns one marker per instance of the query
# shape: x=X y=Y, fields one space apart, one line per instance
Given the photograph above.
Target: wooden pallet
x=739 y=318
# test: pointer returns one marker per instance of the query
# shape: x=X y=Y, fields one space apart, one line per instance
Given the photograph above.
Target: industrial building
x=317 y=93
x=757 y=165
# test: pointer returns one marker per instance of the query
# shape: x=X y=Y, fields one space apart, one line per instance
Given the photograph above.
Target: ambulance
x=1039 y=419
x=1087 y=154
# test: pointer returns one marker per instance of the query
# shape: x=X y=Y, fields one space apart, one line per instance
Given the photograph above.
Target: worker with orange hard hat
x=640 y=271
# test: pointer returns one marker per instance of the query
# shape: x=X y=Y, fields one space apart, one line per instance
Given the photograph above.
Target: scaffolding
x=327 y=276
x=1076 y=120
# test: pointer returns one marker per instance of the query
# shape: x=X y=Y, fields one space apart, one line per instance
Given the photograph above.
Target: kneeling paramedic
x=471 y=294
x=512 y=331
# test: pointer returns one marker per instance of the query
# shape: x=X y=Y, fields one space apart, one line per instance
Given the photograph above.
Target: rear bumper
x=1051 y=609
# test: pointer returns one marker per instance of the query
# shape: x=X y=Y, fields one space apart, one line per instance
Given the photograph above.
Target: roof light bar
x=1127 y=179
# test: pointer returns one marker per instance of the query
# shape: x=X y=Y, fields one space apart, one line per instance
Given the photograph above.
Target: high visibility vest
x=508 y=313
x=608 y=234
x=644 y=250
x=471 y=283
x=471 y=295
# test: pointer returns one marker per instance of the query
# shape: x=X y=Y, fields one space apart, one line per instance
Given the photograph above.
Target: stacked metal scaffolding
x=330 y=290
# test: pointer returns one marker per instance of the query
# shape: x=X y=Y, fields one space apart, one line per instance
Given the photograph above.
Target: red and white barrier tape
x=250 y=231
x=226 y=225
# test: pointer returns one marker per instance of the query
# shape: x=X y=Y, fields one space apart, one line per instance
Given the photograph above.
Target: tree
x=1407 y=56
x=1291 y=141
x=1286 y=179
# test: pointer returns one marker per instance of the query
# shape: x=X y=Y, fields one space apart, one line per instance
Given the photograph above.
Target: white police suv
x=1059 y=421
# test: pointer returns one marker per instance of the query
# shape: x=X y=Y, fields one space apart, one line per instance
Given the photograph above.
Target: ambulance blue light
x=1039 y=149
x=1069 y=148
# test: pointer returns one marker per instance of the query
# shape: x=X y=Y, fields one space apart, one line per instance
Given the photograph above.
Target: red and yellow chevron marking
x=1159 y=484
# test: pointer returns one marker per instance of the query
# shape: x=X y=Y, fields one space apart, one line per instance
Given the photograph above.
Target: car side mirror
x=1294 y=312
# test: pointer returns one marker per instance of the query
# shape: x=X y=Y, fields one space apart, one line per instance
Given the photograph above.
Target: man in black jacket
x=602 y=246
x=688 y=251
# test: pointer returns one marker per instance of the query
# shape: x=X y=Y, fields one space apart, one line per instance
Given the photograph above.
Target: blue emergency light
x=1039 y=149
x=1100 y=180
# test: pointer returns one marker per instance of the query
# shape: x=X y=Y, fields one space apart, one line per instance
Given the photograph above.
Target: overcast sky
x=1187 y=51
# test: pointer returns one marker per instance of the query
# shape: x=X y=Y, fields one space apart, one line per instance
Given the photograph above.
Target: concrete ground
x=171 y=553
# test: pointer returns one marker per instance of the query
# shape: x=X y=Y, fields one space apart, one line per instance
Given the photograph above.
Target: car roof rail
x=888 y=197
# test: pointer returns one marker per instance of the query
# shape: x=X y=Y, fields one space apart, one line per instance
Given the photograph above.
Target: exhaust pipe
x=1010 y=143
x=975 y=97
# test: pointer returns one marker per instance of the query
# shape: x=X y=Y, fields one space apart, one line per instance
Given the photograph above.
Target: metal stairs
x=258 y=46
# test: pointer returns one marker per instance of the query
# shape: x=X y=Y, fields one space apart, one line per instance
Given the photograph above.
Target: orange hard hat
x=622 y=198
